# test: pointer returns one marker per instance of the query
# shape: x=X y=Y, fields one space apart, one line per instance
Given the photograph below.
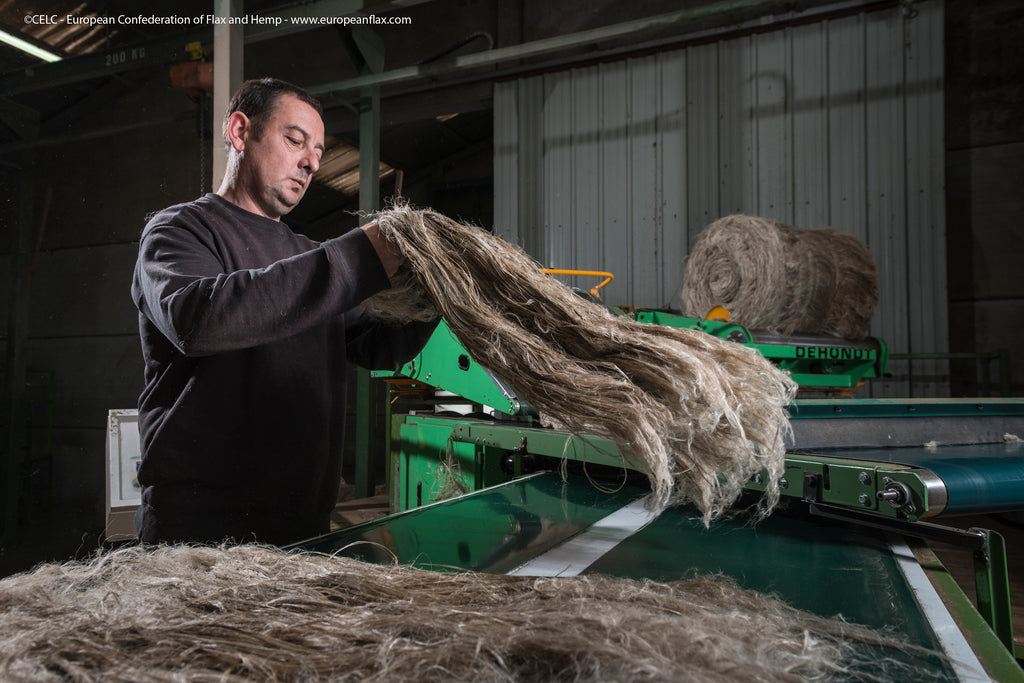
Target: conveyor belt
x=978 y=477
x=895 y=423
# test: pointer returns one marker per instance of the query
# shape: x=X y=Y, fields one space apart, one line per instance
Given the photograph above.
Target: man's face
x=278 y=167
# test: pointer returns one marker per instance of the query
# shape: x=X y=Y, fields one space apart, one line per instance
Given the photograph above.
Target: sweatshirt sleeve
x=182 y=286
x=379 y=345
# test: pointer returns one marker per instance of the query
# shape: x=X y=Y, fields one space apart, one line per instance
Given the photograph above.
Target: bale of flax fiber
x=700 y=414
x=243 y=613
x=779 y=278
x=856 y=284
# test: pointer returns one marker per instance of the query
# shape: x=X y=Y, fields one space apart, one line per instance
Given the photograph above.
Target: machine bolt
x=864 y=478
x=783 y=483
x=898 y=495
x=864 y=499
x=758 y=479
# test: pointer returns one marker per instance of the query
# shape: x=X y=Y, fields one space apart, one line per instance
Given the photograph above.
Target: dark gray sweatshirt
x=246 y=331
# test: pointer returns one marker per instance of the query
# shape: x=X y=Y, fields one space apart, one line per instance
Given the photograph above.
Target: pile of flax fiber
x=699 y=414
x=232 y=614
x=775 y=277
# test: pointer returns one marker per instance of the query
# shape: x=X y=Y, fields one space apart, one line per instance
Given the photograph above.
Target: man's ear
x=239 y=129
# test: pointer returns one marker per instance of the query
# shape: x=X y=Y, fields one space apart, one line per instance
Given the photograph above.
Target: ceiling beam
x=172 y=49
x=537 y=48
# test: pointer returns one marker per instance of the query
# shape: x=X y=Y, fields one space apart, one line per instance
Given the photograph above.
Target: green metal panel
x=426 y=460
x=481 y=445
x=444 y=363
x=850 y=482
x=548 y=442
x=853 y=483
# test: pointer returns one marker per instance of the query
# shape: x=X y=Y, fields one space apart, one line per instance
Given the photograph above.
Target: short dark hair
x=257 y=99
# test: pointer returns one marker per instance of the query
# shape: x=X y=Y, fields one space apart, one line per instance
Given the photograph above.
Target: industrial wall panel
x=846 y=123
x=558 y=226
x=926 y=239
x=646 y=245
x=885 y=153
x=612 y=177
x=586 y=151
x=112 y=376
x=506 y=162
x=702 y=85
x=83 y=292
x=670 y=192
x=773 y=121
x=810 y=125
x=95 y=213
x=736 y=133
x=837 y=122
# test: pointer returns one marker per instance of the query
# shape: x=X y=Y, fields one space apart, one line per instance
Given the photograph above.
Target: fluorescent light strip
x=25 y=46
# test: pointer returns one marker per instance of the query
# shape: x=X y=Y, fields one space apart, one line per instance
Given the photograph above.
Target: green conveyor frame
x=888 y=463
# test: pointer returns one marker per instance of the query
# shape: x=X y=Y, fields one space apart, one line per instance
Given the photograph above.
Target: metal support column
x=228 y=57
x=368 y=395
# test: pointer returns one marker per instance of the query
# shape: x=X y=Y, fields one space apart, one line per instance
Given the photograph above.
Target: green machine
x=482 y=433
x=813 y=362
x=477 y=483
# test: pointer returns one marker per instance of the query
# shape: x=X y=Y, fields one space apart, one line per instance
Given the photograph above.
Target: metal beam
x=538 y=47
x=371 y=49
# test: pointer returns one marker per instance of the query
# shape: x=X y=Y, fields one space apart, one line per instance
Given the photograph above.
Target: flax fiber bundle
x=779 y=278
x=232 y=614
x=700 y=414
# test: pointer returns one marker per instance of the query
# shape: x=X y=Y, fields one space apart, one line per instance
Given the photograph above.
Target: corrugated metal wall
x=620 y=166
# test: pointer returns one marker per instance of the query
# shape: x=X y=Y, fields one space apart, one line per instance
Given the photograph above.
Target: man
x=246 y=332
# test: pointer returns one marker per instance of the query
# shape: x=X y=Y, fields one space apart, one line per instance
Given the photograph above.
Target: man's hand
x=390 y=256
